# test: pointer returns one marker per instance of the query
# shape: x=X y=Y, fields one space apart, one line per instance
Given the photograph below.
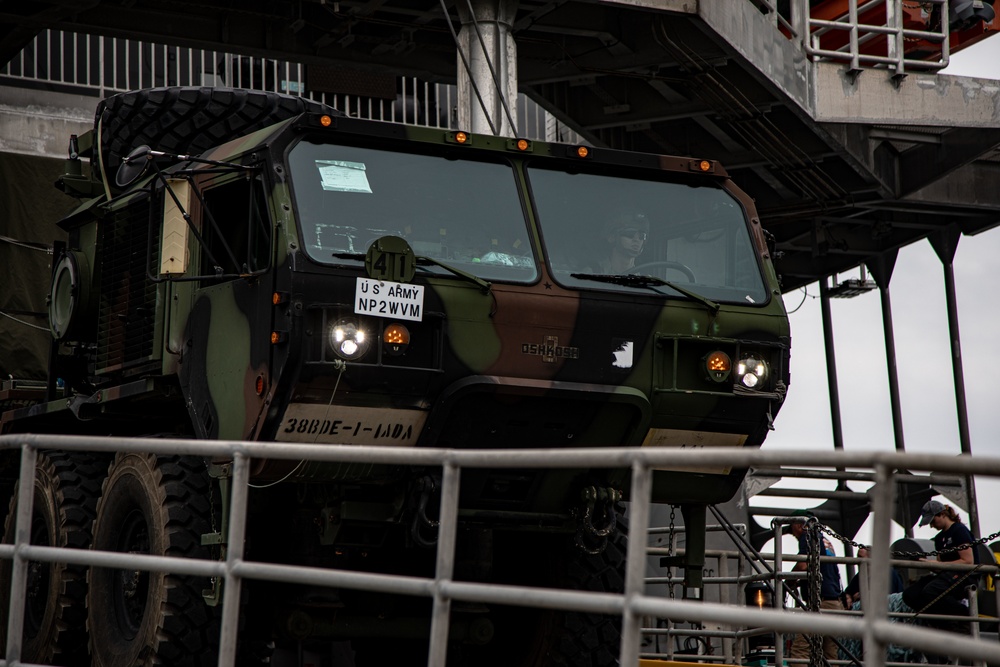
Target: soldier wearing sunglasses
x=625 y=236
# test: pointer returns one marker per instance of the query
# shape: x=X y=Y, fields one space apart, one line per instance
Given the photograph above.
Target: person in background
x=943 y=592
x=852 y=593
x=831 y=590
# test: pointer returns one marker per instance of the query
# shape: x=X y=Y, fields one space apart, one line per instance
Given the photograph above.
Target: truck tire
x=188 y=120
x=547 y=638
x=66 y=490
x=592 y=640
x=160 y=506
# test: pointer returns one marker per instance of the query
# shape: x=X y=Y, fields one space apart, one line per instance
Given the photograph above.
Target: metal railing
x=873 y=627
x=101 y=66
x=880 y=43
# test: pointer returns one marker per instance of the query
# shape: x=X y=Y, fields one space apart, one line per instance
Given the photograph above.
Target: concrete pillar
x=489 y=66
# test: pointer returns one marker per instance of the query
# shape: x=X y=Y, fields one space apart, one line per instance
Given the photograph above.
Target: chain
x=814 y=541
x=670 y=545
x=910 y=554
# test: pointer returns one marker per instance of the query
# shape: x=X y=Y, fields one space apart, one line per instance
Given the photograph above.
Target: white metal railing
x=801 y=25
x=873 y=627
x=102 y=66
x=880 y=43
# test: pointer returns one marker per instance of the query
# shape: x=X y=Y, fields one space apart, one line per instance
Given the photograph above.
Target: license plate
x=382 y=298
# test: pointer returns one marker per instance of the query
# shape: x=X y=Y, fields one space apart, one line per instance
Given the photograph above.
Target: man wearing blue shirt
x=831 y=590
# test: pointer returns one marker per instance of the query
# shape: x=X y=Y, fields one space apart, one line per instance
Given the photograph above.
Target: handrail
x=873 y=627
x=812 y=30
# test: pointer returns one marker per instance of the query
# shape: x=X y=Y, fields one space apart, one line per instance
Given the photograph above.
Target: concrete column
x=486 y=42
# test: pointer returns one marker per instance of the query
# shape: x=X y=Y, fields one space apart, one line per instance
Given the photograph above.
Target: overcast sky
x=923 y=355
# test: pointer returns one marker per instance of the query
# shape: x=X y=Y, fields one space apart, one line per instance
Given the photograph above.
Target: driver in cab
x=625 y=235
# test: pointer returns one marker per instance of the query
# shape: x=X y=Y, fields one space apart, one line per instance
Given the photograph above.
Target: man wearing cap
x=923 y=594
x=831 y=591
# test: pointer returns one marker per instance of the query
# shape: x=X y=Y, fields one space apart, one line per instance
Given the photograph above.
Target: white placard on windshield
x=383 y=298
x=343 y=176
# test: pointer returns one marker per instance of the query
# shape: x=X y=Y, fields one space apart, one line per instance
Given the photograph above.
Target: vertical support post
x=894 y=21
x=881 y=270
x=800 y=21
x=19 y=566
x=635 y=568
x=945 y=244
x=876 y=607
x=890 y=361
x=486 y=46
x=236 y=536
x=831 y=364
x=779 y=583
x=447 y=531
x=852 y=17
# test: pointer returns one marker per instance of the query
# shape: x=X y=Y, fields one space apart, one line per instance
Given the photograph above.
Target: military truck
x=251 y=266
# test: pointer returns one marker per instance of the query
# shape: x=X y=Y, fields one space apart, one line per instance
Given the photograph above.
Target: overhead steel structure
x=845 y=167
x=850 y=142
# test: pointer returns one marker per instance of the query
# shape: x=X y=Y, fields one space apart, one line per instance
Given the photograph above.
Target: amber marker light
x=461 y=137
x=278 y=337
x=260 y=385
x=582 y=151
x=395 y=339
x=705 y=165
x=522 y=144
x=718 y=364
x=279 y=298
x=325 y=121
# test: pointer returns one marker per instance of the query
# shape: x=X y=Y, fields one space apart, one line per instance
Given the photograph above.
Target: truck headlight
x=751 y=371
x=348 y=340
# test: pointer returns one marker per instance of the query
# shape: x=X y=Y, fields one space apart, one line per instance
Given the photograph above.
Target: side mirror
x=133 y=166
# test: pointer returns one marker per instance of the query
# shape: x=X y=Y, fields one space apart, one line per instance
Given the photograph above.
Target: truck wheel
x=161 y=506
x=189 y=120
x=546 y=638
x=66 y=490
x=592 y=640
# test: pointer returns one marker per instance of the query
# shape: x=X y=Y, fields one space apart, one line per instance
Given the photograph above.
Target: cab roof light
x=459 y=137
x=326 y=121
x=703 y=166
x=578 y=152
x=521 y=145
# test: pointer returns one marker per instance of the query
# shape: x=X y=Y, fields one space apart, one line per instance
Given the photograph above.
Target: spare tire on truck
x=188 y=120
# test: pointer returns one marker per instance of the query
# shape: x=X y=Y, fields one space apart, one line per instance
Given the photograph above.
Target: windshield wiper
x=635 y=280
x=423 y=262
x=484 y=285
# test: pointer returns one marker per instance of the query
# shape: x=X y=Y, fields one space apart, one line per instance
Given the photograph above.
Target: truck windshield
x=466 y=214
x=596 y=226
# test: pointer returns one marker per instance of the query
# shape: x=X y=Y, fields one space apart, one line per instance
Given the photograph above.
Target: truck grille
x=126 y=321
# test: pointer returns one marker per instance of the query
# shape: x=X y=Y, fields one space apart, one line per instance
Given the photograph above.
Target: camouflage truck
x=249 y=266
